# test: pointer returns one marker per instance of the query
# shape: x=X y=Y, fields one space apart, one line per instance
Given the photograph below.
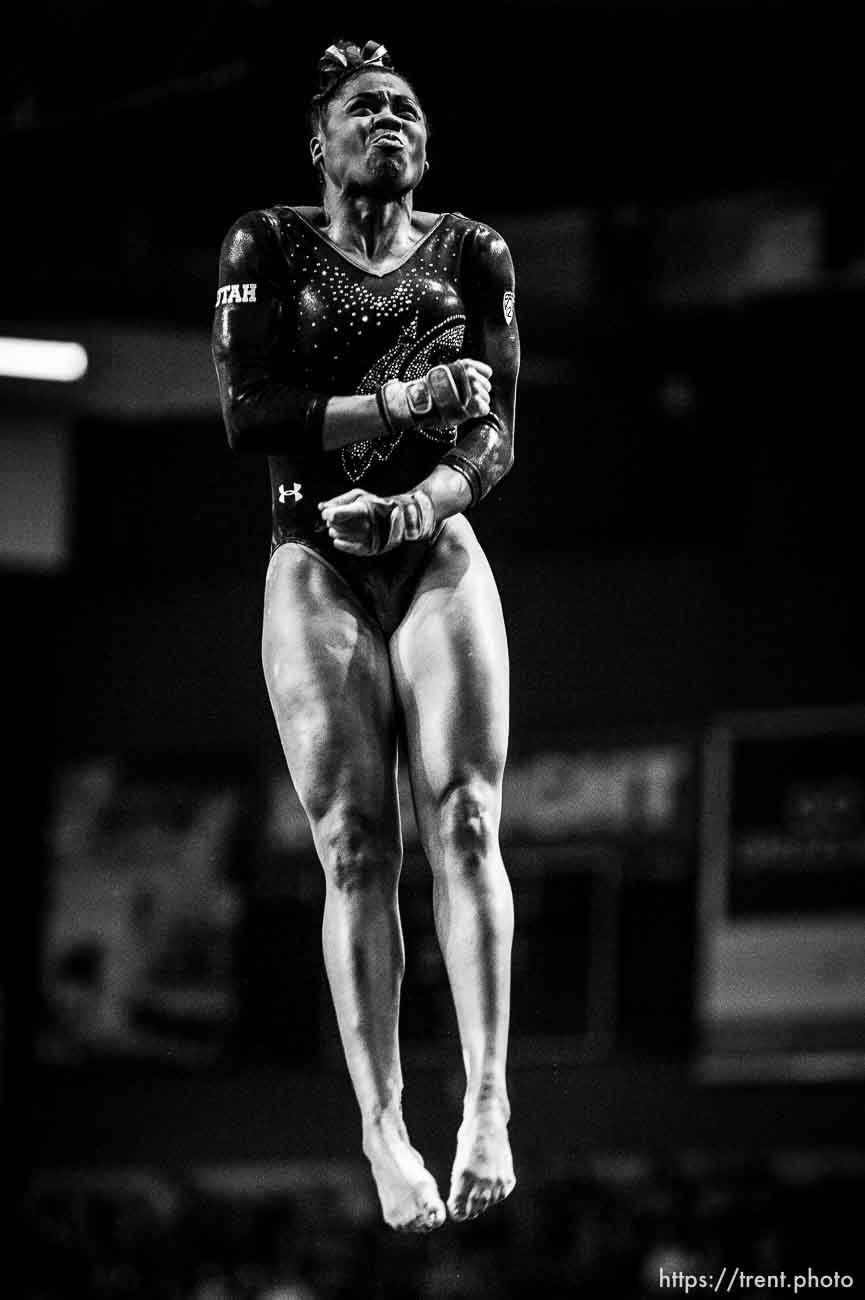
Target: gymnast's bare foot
x=483 y=1171
x=409 y=1197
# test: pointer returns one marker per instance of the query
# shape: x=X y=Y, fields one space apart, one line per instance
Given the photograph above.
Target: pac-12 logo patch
x=229 y=293
x=508 y=302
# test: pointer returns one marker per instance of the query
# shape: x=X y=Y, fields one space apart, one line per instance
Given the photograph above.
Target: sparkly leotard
x=298 y=320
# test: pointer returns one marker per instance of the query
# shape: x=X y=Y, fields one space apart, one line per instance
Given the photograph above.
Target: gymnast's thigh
x=328 y=677
x=450 y=664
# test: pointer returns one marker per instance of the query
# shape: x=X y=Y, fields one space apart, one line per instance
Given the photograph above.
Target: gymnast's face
x=372 y=137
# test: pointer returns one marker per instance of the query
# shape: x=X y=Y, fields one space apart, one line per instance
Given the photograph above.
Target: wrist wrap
x=409 y=518
x=469 y=470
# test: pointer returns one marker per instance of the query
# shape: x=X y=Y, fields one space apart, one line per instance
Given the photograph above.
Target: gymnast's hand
x=361 y=523
x=446 y=394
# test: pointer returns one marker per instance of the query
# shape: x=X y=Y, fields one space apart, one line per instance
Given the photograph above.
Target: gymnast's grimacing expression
x=372 y=138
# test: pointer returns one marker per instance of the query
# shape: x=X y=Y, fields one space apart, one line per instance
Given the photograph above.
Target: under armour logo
x=289 y=494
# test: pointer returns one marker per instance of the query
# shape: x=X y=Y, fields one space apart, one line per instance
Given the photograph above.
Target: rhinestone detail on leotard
x=355 y=330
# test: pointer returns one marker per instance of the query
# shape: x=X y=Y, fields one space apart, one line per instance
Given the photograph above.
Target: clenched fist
x=361 y=523
x=447 y=394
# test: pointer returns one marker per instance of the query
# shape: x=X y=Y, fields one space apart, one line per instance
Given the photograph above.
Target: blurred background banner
x=141 y=916
x=783 y=890
x=678 y=553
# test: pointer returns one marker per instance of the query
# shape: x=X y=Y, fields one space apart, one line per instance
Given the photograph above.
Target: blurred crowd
x=607 y=1228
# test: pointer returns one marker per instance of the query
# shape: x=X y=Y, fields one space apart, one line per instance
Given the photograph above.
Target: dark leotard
x=298 y=320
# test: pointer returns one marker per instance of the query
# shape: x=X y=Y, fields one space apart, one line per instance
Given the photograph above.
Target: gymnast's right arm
x=262 y=409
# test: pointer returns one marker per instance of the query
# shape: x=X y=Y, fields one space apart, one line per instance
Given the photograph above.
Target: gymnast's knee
x=357 y=858
x=468 y=825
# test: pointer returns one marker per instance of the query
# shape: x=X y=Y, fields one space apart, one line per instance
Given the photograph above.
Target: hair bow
x=338 y=60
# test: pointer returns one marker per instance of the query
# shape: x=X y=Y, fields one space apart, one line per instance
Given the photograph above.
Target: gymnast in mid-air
x=370 y=351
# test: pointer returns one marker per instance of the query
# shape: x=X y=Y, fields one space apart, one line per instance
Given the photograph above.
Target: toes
x=457 y=1200
x=434 y=1217
x=470 y=1199
x=479 y=1200
x=429 y=1215
x=502 y=1190
x=430 y=1218
x=474 y=1197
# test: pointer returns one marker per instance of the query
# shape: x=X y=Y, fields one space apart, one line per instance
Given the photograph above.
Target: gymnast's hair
x=340 y=64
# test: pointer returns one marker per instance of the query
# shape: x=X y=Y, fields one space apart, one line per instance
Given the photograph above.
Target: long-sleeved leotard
x=298 y=321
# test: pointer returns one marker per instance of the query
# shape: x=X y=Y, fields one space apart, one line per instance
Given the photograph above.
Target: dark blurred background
x=678 y=554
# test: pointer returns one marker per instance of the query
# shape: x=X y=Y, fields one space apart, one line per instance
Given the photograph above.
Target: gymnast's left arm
x=484 y=450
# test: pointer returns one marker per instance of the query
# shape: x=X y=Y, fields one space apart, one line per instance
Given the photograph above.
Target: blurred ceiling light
x=42 y=359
